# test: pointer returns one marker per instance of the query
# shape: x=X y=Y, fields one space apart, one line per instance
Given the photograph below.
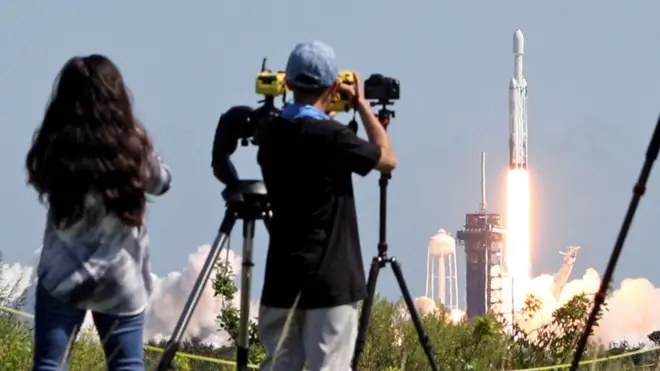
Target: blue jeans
x=56 y=323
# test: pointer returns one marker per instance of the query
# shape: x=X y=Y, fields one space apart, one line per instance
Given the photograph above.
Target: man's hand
x=374 y=129
x=354 y=91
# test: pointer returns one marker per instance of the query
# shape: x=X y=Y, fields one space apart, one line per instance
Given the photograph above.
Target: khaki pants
x=325 y=338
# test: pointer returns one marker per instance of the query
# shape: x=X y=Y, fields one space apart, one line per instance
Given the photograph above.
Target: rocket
x=518 y=107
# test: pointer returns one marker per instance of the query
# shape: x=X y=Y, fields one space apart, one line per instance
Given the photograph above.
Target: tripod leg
x=423 y=338
x=243 y=342
x=173 y=344
x=367 y=304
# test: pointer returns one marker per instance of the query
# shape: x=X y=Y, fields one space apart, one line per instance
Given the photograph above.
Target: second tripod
x=380 y=261
x=246 y=200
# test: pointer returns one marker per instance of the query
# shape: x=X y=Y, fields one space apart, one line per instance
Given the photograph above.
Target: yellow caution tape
x=591 y=361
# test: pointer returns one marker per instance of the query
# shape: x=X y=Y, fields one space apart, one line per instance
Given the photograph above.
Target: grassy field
x=475 y=345
x=87 y=354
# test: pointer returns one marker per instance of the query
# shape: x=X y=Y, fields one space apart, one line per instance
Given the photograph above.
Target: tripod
x=246 y=200
x=638 y=191
x=380 y=261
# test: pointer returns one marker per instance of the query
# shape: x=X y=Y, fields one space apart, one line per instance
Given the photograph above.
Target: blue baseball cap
x=312 y=65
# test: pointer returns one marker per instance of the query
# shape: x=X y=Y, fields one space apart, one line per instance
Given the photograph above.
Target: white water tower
x=441 y=272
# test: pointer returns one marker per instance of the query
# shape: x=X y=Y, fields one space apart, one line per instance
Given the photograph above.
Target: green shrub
x=392 y=343
x=15 y=343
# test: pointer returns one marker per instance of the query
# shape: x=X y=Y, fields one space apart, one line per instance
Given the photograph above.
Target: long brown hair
x=89 y=140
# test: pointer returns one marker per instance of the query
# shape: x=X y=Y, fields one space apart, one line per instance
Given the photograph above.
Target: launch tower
x=482 y=239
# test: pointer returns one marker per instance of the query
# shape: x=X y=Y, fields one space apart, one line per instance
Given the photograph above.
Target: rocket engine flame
x=517 y=240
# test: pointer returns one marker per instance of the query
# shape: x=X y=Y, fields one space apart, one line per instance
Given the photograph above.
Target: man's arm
x=375 y=131
x=378 y=136
x=355 y=153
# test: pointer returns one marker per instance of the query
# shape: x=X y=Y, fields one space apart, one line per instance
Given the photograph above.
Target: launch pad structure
x=482 y=238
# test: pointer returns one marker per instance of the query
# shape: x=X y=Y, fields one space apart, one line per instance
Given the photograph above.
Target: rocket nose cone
x=518 y=42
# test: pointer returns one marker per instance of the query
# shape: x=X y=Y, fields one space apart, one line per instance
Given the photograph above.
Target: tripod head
x=248 y=199
x=251 y=192
x=384 y=114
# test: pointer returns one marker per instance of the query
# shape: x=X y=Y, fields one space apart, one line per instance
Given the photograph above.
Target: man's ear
x=333 y=88
x=329 y=92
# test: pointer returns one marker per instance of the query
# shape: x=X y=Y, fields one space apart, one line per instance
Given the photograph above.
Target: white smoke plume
x=631 y=315
x=14 y=280
x=167 y=301
x=631 y=308
x=426 y=306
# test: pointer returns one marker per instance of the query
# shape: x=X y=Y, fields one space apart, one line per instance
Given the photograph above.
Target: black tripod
x=380 y=261
x=246 y=200
x=638 y=191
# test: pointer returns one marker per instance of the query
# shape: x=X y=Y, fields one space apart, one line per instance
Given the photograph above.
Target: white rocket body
x=518 y=107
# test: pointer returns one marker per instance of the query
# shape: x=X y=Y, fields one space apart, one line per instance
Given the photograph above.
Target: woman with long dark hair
x=92 y=163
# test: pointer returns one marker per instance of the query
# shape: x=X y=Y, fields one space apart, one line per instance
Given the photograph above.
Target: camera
x=381 y=88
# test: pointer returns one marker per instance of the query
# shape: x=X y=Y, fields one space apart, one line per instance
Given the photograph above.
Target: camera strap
x=353 y=125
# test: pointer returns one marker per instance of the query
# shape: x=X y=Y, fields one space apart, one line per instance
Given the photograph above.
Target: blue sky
x=593 y=100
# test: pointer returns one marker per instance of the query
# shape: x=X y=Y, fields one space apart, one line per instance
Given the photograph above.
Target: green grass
x=476 y=345
x=472 y=346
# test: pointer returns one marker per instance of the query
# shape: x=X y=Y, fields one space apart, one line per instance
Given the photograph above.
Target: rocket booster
x=518 y=107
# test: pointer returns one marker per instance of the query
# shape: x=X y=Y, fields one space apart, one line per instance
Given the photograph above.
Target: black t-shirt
x=314 y=245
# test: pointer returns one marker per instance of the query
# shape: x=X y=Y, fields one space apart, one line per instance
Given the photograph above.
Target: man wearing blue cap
x=314 y=276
